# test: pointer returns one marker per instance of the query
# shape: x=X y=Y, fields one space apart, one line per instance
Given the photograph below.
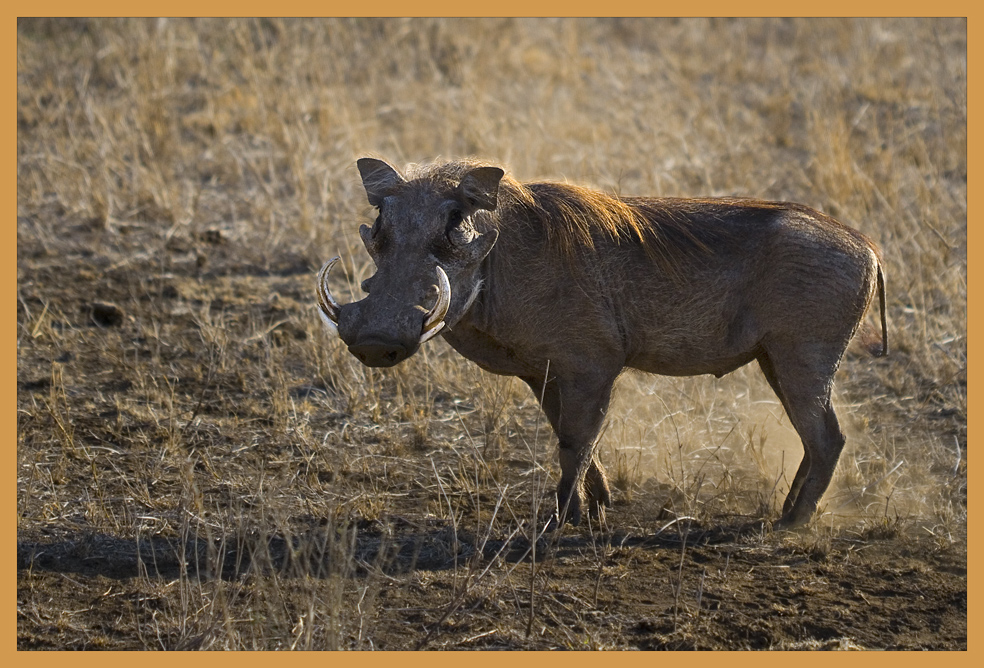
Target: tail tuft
x=884 y=315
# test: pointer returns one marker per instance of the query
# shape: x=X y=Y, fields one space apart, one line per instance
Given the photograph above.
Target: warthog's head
x=427 y=250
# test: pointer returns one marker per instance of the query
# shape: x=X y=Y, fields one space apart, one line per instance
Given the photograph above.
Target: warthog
x=565 y=287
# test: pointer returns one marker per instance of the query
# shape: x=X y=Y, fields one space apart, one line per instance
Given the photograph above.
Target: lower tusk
x=327 y=306
x=329 y=323
x=435 y=319
x=431 y=333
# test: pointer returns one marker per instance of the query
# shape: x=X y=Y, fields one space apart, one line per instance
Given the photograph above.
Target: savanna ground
x=199 y=465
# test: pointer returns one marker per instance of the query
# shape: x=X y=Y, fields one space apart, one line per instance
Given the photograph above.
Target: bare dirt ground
x=200 y=466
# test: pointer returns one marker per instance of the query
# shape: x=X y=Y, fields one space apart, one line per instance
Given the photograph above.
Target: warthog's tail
x=884 y=316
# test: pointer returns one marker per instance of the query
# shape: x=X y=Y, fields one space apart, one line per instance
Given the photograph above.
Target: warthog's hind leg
x=596 y=490
x=803 y=378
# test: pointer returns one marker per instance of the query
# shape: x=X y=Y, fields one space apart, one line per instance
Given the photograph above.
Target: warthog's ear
x=479 y=188
x=378 y=178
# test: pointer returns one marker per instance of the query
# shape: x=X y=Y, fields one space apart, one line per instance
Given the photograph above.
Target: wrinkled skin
x=776 y=283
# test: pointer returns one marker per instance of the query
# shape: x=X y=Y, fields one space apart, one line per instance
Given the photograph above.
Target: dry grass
x=215 y=472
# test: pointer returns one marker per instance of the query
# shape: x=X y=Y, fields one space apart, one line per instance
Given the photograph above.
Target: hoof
x=573 y=518
x=597 y=513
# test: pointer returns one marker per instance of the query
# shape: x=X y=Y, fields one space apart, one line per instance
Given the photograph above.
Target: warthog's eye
x=454 y=219
x=375 y=226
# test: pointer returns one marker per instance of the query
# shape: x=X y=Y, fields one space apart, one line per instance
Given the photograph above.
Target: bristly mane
x=574 y=219
x=571 y=217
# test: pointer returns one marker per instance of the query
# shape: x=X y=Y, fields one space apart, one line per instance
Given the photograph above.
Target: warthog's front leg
x=576 y=410
x=583 y=480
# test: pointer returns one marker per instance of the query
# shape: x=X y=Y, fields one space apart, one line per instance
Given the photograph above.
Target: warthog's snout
x=382 y=337
x=377 y=342
x=374 y=352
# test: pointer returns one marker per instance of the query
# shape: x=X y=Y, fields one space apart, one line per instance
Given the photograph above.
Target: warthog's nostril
x=379 y=354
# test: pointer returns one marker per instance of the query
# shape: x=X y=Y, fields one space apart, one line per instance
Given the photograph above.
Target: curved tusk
x=434 y=322
x=327 y=306
x=430 y=334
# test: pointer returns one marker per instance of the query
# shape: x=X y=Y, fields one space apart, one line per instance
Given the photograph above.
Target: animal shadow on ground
x=397 y=547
